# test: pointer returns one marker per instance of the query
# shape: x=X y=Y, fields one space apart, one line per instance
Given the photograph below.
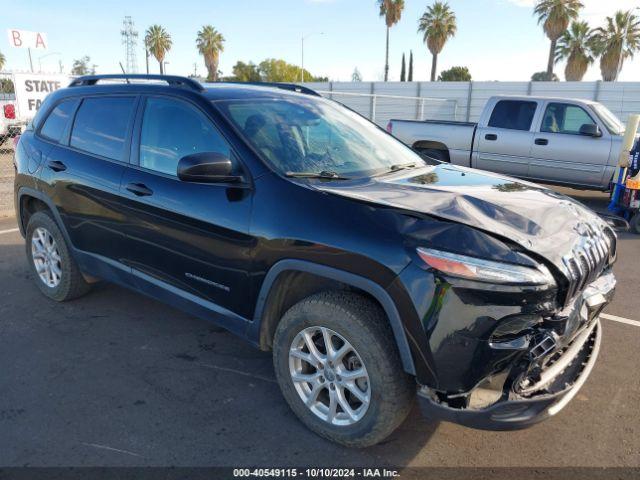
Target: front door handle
x=139 y=189
x=56 y=166
x=491 y=136
x=541 y=141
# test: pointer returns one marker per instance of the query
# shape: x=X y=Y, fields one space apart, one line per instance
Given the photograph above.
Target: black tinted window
x=172 y=130
x=101 y=126
x=513 y=114
x=57 y=121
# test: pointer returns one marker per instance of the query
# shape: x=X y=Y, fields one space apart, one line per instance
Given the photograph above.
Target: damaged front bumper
x=534 y=389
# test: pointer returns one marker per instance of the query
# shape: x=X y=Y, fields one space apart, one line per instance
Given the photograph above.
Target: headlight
x=485 y=270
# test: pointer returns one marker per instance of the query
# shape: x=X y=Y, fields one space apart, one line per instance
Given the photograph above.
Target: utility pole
x=146 y=54
x=130 y=41
x=302 y=53
x=195 y=70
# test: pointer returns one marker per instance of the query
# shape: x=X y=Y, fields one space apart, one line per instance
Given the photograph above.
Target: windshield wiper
x=325 y=174
x=397 y=168
x=402 y=166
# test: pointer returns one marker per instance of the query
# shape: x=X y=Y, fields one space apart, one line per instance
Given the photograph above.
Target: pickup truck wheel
x=338 y=368
x=634 y=223
x=56 y=272
x=441 y=155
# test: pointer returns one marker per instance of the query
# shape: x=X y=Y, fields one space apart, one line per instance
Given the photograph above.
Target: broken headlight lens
x=482 y=270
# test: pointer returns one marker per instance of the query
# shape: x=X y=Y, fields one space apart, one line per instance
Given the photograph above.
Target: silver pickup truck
x=554 y=140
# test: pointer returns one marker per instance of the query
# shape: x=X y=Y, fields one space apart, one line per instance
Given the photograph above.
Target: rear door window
x=102 y=126
x=58 y=120
x=513 y=115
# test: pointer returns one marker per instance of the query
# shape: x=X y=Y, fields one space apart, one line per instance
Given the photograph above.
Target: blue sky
x=497 y=39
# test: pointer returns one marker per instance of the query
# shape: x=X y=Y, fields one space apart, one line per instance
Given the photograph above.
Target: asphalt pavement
x=117 y=379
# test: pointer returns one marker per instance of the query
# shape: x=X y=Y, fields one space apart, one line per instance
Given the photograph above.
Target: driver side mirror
x=207 y=167
x=590 y=130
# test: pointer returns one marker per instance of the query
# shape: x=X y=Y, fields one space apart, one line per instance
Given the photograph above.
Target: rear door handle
x=139 y=189
x=56 y=166
x=541 y=141
x=491 y=136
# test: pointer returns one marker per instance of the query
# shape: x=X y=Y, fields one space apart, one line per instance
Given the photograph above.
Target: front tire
x=339 y=370
x=56 y=272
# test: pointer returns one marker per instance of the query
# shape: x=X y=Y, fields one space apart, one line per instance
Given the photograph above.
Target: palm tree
x=3 y=60
x=210 y=43
x=621 y=30
x=158 y=42
x=576 y=47
x=391 y=10
x=438 y=23
x=555 y=15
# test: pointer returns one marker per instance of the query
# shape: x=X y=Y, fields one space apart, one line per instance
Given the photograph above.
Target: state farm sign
x=27 y=39
x=32 y=88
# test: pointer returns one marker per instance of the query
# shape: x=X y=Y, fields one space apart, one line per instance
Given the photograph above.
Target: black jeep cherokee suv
x=290 y=220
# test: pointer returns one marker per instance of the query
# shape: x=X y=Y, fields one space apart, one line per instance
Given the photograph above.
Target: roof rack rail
x=173 y=80
x=292 y=87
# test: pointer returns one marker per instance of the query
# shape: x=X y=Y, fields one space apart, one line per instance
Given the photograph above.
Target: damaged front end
x=554 y=359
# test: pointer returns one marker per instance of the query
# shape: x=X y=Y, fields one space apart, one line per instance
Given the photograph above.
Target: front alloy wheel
x=329 y=376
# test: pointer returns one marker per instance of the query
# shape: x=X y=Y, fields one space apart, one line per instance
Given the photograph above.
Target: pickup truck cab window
x=565 y=118
x=58 y=120
x=172 y=129
x=102 y=125
x=513 y=115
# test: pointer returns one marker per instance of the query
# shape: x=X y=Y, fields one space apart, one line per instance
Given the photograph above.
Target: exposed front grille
x=594 y=251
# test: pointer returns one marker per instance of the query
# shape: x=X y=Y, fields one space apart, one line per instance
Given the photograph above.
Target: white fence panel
x=466 y=100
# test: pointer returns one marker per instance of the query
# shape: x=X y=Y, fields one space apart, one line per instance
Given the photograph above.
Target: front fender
x=399 y=326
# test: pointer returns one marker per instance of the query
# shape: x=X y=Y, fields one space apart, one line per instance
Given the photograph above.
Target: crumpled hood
x=539 y=219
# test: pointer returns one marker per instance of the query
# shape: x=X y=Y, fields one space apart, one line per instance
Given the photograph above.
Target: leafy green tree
x=3 y=60
x=438 y=24
x=410 y=74
x=391 y=10
x=403 y=70
x=356 y=76
x=276 y=70
x=210 y=43
x=158 y=43
x=576 y=47
x=555 y=16
x=82 y=66
x=544 y=77
x=246 y=72
x=622 y=28
x=455 y=74
x=6 y=86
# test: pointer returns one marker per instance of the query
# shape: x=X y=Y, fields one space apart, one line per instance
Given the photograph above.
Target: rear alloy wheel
x=46 y=257
x=57 y=274
x=339 y=370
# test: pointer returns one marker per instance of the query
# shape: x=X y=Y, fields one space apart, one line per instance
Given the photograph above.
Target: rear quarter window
x=102 y=125
x=58 y=120
x=513 y=115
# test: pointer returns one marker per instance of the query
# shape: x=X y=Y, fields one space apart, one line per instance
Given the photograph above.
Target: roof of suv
x=213 y=91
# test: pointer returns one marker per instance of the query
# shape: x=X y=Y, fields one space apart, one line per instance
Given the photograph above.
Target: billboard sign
x=32 y=88
x=27 y=39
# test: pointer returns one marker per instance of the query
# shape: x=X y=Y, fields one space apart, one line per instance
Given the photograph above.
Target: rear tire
x=381 y=402
x=56 y=272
